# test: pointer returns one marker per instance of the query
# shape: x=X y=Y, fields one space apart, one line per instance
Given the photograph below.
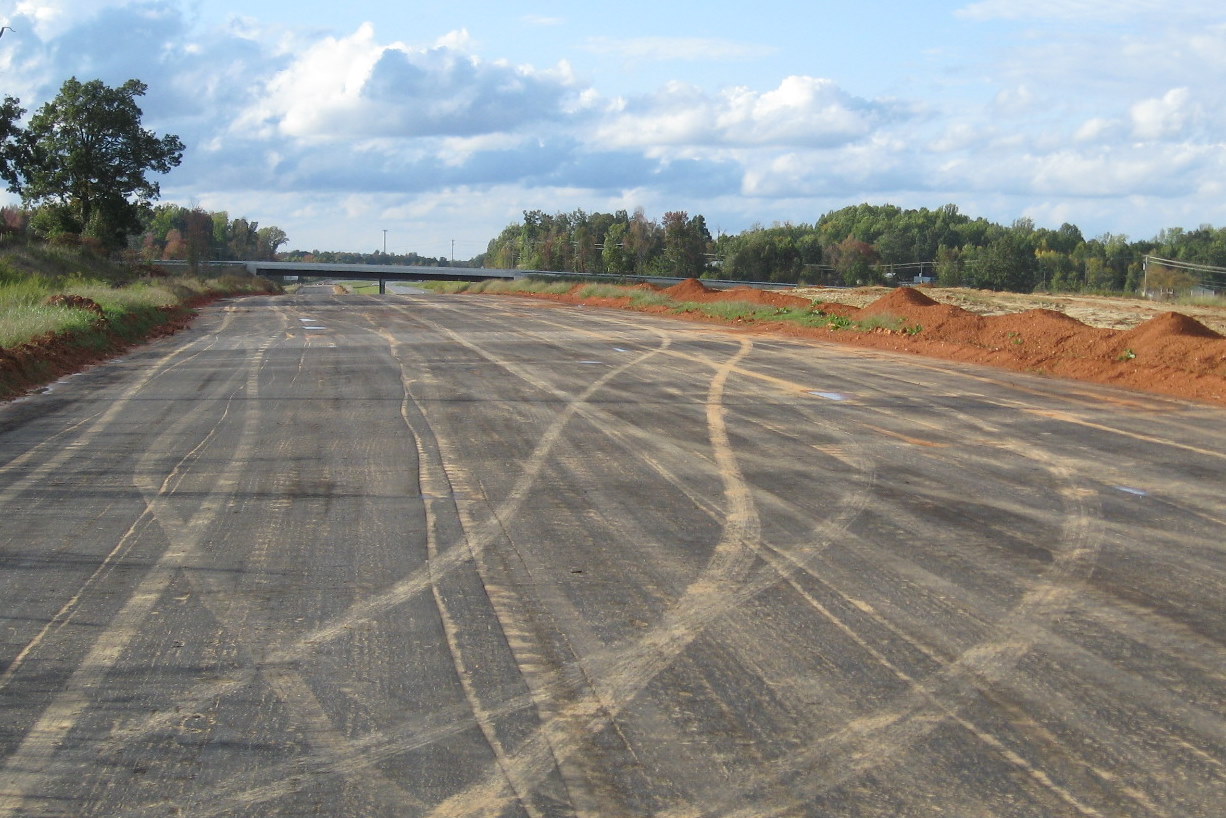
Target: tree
x=854 y=260
x=685 y=244
x=87 y=157
x=270 y=239
x=10 y=141
x=614 y=254
x=199 y=236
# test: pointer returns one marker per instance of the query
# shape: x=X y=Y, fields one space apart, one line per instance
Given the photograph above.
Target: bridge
x=384 y=273
x=360 y=272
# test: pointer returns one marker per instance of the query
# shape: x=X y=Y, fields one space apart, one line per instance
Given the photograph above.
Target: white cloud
x=1112 y=173
x=960 y=136
x=1095 y=128
x=802 y=111
x=1165 y=117
x=1018 y=99
x=354 y=87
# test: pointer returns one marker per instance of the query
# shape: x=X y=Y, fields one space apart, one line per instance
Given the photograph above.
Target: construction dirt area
x=1131 y=343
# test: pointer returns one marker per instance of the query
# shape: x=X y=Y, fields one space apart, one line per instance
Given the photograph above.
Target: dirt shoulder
x=1134 y=344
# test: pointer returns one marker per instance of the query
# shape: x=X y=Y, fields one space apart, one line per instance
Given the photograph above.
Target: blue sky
x=442 y=122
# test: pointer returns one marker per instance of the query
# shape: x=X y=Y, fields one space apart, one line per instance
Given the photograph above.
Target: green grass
x=500 y=285
x=24 y=322
x=132 y=304
x=445 y=287
x=728 y=310
x=1203 y=301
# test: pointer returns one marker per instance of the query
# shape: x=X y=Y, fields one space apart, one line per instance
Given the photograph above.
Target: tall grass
x=1202 y=301
x=31 y=273
x=25 y=322
x=500 y=285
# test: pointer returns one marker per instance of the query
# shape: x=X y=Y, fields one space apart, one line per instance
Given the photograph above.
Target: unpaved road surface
x=416 y=556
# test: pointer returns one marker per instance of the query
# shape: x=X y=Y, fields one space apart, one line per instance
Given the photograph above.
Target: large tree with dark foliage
x=10 y=140
x=84 y=161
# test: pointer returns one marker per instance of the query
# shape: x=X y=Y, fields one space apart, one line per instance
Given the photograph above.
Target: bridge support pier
x=382 y=287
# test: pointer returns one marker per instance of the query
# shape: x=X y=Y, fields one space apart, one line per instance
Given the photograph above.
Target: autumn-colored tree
x=1168 y=282
x=198 y=234
x=176 y=247
x=854 y=260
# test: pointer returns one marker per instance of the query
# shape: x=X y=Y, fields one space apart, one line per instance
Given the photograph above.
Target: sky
x=440 y=123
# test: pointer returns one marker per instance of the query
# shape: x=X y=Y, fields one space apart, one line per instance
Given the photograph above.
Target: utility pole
x=385 y=241
x=453 y=251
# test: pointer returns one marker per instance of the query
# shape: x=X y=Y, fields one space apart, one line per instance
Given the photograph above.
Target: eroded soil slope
x=1137 y=345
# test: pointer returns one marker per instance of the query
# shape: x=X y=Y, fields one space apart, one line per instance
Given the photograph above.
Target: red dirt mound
x=1166 y=326
x=79 y=302
x=943 y=322
x=902 y=299
x=1173 y=341
x=689 y=290
x=1049 y=329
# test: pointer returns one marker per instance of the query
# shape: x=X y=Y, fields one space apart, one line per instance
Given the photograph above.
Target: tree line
x=376 y=257
x=82 y=167
x=862 y=244
x=619 y=243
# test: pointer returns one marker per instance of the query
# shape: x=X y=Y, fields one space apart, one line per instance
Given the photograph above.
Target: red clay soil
x=694 y=290
x=50 y=357
x=1171 y=354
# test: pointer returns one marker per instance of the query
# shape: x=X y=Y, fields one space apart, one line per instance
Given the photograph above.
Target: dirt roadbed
x=1132 y=343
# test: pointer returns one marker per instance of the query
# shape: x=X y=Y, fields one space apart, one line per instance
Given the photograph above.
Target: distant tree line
x=620 y=243
x=862 y=244
x=375 y=257
x=194 y=234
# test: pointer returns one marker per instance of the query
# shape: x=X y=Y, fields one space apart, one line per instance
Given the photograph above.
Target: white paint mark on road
x=1137 y=492
x=839 y=396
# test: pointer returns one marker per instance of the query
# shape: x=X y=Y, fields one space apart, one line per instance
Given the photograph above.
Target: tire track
x=991 y=660
x=33 y=761
x=93 y=428
x=420 y=581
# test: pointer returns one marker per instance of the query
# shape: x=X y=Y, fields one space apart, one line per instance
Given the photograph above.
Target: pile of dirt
x=938 y=321
x=78 y=302
x=690 y=290
x=1170 y=353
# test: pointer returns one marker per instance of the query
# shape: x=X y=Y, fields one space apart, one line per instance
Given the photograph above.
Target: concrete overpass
x=396 y=272
x=350 y=272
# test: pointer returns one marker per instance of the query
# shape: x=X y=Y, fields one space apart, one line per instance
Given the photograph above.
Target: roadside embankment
x=1167 y=353
x=60 y=317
